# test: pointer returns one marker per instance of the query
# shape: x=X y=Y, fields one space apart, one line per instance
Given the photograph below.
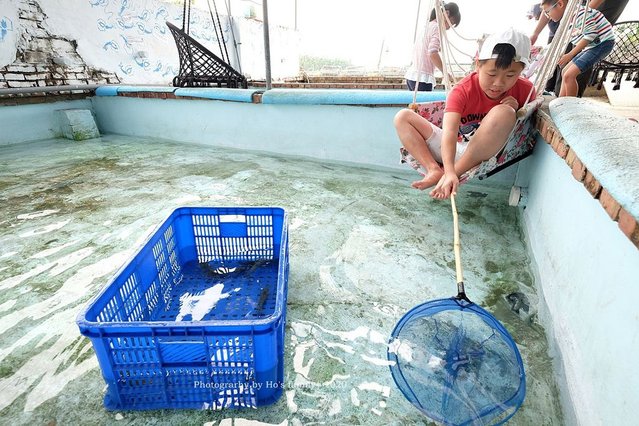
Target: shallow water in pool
x=364 y=249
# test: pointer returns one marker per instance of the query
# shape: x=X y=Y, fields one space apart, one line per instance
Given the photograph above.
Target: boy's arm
x=450 y=130
x=448 y=183
x=541 y=24
x=437 y=61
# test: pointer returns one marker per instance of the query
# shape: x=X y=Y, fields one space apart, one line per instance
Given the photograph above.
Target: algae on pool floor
x=364 y=248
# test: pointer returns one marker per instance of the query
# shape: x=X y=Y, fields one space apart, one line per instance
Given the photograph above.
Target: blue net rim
x=431 y=308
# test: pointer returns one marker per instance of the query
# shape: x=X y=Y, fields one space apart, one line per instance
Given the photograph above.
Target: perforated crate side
x=143 y=285
x=234 y=235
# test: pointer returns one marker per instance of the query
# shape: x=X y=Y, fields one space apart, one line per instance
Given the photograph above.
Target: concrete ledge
x=116 y=90
x=155 y=89
x=365 y=97
x=601 y=150
x=347 y=97
x=107 y=91
x=220 y=94
x=604 y=144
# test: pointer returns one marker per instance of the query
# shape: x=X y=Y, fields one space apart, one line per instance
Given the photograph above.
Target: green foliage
x=313 y=63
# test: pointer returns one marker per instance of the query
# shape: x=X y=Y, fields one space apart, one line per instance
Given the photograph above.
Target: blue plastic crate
x=196 y=318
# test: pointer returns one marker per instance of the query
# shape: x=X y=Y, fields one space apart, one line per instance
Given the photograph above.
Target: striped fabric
x=596 y=29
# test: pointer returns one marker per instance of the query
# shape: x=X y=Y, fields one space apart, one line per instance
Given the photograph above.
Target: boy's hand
x=511 y=102
x=447 y=185
x=564 y=60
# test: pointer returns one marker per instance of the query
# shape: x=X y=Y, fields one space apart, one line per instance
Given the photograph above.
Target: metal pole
x=381 y=52
x=267 y=45
x=235 y=43
x=49 y=89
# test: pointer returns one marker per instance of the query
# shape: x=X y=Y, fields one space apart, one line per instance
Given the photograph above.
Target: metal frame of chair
x=199 y=67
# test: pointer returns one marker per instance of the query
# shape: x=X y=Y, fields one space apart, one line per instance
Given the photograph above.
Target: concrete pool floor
x=364 y=249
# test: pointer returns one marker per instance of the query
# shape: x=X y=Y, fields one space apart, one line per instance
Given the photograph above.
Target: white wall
x=8 y=32
x=131 y=38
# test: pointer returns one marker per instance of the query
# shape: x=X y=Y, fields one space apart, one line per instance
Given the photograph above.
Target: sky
x=380 y=32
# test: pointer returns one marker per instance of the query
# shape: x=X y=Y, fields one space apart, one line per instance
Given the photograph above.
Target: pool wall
x=588 y=274
x=352 y=126
x=586 y=258
x=34 y=122
x=584 y=245
x=346 y=133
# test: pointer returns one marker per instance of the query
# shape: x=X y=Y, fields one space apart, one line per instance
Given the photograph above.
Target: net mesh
x=457 y=364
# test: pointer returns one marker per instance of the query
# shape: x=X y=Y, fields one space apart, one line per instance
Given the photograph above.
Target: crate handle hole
x=232 y=218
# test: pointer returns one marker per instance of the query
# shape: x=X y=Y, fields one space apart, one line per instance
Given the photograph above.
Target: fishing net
x=457 y=364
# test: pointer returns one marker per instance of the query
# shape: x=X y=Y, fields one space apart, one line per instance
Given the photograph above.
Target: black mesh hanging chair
x=199 y=67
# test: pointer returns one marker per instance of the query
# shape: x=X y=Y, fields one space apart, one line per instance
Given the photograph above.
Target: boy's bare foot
x=431 y=178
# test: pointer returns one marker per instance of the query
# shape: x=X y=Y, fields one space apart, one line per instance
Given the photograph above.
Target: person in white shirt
x=426 y=51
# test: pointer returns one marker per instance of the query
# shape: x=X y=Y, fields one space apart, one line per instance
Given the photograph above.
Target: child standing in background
x=426 y=53
x=591 y=43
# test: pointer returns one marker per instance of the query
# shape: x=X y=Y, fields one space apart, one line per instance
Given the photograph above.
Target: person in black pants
x=552 y=29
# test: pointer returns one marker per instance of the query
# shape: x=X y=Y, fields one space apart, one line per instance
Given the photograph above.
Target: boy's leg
x=582 y=62
x=569 y=86
x=489 y=138
x=611 y=10
x=413 y=131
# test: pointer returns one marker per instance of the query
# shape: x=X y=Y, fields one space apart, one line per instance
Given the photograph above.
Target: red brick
x=550 y=133
x=578 y=170
x=559 y=145
x=592 y=184
x=628 y=225
x=570 y=157
x=543 y=130
x=609 y=204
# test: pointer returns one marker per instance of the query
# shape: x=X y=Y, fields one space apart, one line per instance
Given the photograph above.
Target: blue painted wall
x=588 y=272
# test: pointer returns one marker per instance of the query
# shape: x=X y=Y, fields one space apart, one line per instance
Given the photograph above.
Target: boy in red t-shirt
x=491 y=95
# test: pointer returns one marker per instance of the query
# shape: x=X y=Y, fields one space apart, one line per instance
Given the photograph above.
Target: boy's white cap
x=516 y=39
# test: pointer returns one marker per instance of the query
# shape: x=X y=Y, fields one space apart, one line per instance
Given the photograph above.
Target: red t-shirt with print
x=471 y=102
